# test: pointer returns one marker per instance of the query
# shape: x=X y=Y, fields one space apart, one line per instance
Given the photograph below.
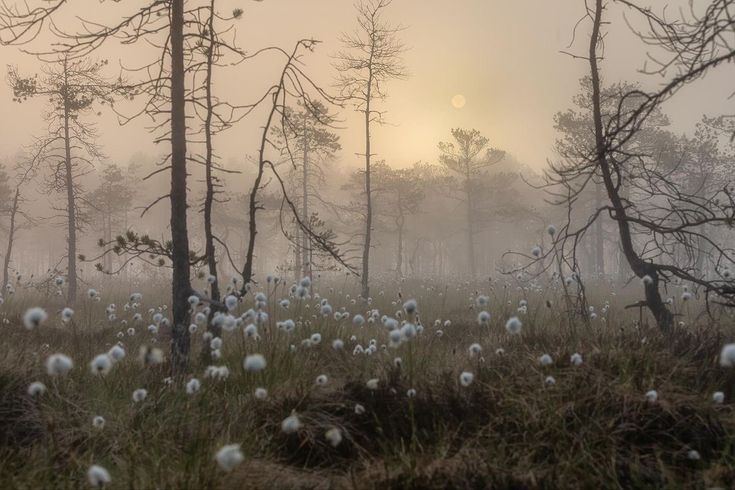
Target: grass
x=508 y=429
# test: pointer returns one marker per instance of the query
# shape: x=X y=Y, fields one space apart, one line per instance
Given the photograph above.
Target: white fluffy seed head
x=192 y=386
x=291 y=424
x=322 y=380
x=718 y=397
x=545 y=360
x=334 y=436
x=139 y=395
x=36 y=389
x=576 y=359
x=66 y=315
x=513 y=325
x=101 y=365
x=254 y=363
x=229 y=456
x=98 y=422
x=727 y=355
x=466 y=378
x=261 y=393
x=652 y=396
x=58 y=364
x=34 y=317
x=98 y=476
x=372 y=384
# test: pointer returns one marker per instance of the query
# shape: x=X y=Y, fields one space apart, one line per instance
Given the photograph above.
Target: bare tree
x=371 y=57
x=655 y=214
x=292 y=82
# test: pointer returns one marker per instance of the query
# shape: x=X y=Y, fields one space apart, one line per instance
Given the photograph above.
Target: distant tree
x=468 y=157
x=112 y=200
x=72 y=87
x=307 y=141
x=371 y=57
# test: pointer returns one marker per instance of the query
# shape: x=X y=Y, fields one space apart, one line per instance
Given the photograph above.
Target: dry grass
x=508 y=429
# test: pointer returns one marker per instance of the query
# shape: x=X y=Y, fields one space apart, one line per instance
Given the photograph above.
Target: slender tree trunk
x=208 y=163
x=368 y=195
x=661 y=313
x=470 y=228
x=599 y=236
x=71 y=213
x=181 y=282
x=11 y=237
x=306 y=244
x=399 y=252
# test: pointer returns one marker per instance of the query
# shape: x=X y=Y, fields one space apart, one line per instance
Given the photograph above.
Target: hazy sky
x=502 y=56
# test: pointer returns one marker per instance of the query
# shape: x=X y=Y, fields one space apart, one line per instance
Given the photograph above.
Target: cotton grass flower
x=58 y=364
x=372 y=384
x=231 y=302
x=474 y=349
x=545 y=360
x=693 y=455
x=116 y=353
x=229 y=456
x=139 y=395
x=483 y=318
x=718 y=397
x=261 y=393
x=513 y=325
x=727 y=355
x=466 y=378
x=34 y=317
x=98 y=422
x=651 y=396
x=36 y=389
x=254 y=363
x=576 y=359
x=338 y=344
x=550 y=381
x=359 y=409
x=101 y=365
x=66 y=315
x=321 y=380
x=193 y=386
x=98 y=476
x=334 y=436
x=291 y=424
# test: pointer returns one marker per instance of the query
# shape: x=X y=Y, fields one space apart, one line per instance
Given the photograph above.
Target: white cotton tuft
x=58 y=364
x=291 y=424
x=513 y=325
x=34 y=317
x=727 y=355
x=254 y=363
x=466 y=378
x=98 y=476
x=228 y=457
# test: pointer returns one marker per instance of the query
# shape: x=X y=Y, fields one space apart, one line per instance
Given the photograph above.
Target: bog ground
x=340 y=400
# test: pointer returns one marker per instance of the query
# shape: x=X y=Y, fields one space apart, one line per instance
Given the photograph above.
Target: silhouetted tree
x=468 y=157
x=371 y=57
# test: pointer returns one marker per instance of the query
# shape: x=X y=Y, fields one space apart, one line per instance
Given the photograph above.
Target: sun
x=458 y=101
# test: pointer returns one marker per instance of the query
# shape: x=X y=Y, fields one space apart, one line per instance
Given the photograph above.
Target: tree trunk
x=306 y=244
x=11 y=237
x=470 y=228
x=399 y=251
x=181 y=283
x=661 y=313
x=368 y=196
x=599 y=236
x=71 y=249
